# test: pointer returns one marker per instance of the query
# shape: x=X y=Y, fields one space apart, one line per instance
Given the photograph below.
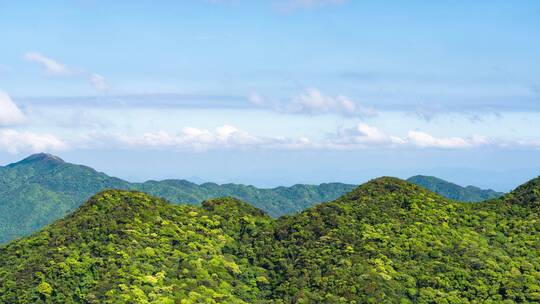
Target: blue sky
x=275 y=92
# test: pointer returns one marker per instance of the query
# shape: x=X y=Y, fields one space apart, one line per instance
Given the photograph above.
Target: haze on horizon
x=275 y=92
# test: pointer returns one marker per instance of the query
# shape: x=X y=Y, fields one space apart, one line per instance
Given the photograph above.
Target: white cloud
x=225 y=136
x=424 y=140
x=361 y=136
x=98 y=82
x=51 y=66
x=313 y=102
x=364 y=135
x=10 y=114
x=14 y=141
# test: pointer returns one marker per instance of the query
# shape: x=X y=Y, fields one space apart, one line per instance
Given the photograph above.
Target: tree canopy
x=387 y=241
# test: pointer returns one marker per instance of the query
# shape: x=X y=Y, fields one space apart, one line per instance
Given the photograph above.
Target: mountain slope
x=42 y=188
x=128 y=247
x=387 y=241
x=453 y=191
x=276 y=202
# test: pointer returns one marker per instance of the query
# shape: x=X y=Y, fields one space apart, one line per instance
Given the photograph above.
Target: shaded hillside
x=387 y=241
x=42 y=188
x=453 y=191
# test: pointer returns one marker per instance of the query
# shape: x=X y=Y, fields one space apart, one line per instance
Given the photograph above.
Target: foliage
x=42 y=188
x=128 y=247
x=390 y=241
x=387 y=241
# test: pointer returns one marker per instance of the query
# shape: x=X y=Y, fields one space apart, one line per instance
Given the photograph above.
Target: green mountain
x=128 y=247
x=387 y=241
x=42 y=188
x=453 y=191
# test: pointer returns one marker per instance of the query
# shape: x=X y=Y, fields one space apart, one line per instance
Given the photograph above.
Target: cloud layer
x=364 y=135
x=361 y=136
x=312 y=101
x=223 y=137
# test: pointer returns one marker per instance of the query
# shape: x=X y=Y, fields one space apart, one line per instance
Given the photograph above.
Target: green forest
x=43 y=188
x=386 y=241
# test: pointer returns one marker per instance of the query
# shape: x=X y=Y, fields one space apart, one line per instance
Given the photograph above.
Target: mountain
x=128 y=247
x=390 y=241
x=453 y=191
x=387 y=241
x=42 y=188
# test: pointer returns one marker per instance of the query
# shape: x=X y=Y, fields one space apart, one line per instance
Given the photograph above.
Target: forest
x=42 y=188
x=387 y=241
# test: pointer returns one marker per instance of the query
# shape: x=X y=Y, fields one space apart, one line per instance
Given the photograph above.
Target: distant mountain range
x=42 y=188
x=386 y=241
x=453 y=191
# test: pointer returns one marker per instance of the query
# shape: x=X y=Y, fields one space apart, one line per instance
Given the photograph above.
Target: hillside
x=387 y=241
x=453 y=191
x=128 y=247
x=42 y=188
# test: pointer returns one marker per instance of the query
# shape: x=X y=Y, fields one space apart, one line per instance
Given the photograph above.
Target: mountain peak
x=40 y=158
x=119 y=206
x=227 y=205
x=385 y=184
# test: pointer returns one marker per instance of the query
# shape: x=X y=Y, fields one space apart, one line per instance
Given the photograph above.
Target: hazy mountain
x=453 y=191
x=387 y=241
x=42 y=188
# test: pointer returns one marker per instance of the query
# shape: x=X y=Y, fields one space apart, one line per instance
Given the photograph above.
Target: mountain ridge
x=387 y=241
x=44 y=158
x=454 y=191
x=42 y=187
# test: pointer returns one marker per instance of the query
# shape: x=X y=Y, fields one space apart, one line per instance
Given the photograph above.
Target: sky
x=275 y=92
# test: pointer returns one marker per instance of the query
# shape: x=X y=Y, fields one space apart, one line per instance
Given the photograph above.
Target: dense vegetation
x=42 y=188
x=453 y=191
x=387 y=241
x=128 y=247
